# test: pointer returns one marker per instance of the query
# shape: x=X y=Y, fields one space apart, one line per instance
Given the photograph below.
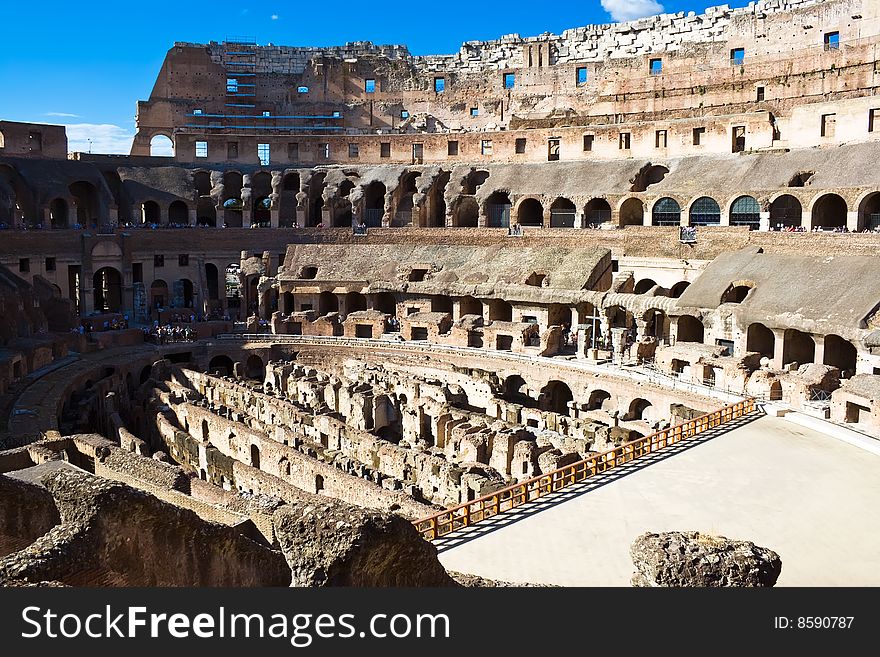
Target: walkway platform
x=809 y=497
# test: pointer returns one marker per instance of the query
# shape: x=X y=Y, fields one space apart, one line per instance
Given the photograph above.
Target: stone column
x=852 y=221
x=778 y=344
x=764 y=220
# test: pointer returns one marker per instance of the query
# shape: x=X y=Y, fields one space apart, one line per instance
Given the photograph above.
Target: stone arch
x=644 y=286
x=437 y=201
x=559 y=314
x=678 y=289
x=58 y=215
x=689 y=329
x=355 y=301
x=869 y=211
x=255 y=456
x=760 y=339
x=666 y=212
x=631 y=212
x=466 y=213
x=470 y=306
x=597 y=211
x=254 y=368
x=374 y=203
x=599 y=400
x=107 y=284
x=316 y=198
x=178 y=214
x=342 y=212
x=500 y=311
x=840 y=353
x=640 y=409
x=828 y=211
x=516 y=391
x=798 y=347
x=206 y=213
x=556 y=396
x=529 y=212
x=327 y=303
x=261 y=199
x=206 y=431
x=498 y=209
x=86 y=203
x=704 y=211
x=221 y=364
x=473 y=181
x=562 y=213
x=385 y=302
x=745 y=211
x=151 y=213
x=785 y=212
x=161 y=145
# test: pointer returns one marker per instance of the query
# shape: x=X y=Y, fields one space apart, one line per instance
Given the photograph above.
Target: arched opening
x=316 y=199
x=473 y=181
x=516 y=392
x=470 y=306
x=761 y=339
x=161 y=146
x=639 y=409
x=183 y=293
x=212 y=281
x=355 y=301
x=342 y=215
x=644 y=286
x=649 y=175
x=666 y=212
x=598 y=211
x=559 y=314
x=441 y=304
x=619 y=317
x=690 y=329
x=255 y=457
x=178 y=214
x=287 y=304
x=254 y=368
x=467 y=213
x=705 y=212
x=562 y=213
x=403 y=209
x=159 y=294
x=498 y=210
x=736 y=293
x=261 y=191
x=327 y=303
x=841 y=354
x=785 y=212
x=869 y=212
x=829 y=212
x=555 y=397
x=58 y=213
x=678 y=289
x=107 y=283
x=290 y=185
x=655 y=323
x=386 y=303
x=202 y=183
x=206 y=213
x=500 y=311
x=85 y=200
x=797 y=347
x=632 y=212
x=530 y=213
x=599 y=400
x=221 y=366
x=319 y=484
x=233 y=290
x=206 y=432
x=143 y=377
x=745 y=211
x=437 y=201
x=374 y=204
x=151 y=213
x=231 y=201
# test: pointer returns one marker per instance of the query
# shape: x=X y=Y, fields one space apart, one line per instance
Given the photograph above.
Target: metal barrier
x=511 y=497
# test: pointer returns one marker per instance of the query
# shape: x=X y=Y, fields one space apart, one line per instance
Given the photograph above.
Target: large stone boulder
x=331 y=543
x=678 y=559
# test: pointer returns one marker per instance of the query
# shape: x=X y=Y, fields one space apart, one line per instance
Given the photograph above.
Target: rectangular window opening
x=439 y=84
x=509 y=80
x=520 y=145
x=588 y=142
x=553 y=149
x=231 y=150
x=263 y=153
x=581 y=75
x=737 y=56
x=324 y=149
x=24 y=264
x=873 y=119
x=370 y=85
x=486 y=147
x=158 y=261
x=660 y=139
x=656 y=66
x=385 y=149
x=699 y=136
x=829 y=124
x=624 y=141
x=50 y=264
x=201 y=149
x=759 y=94
x=292 y=151
x=452 y=148
x=475 y=111
x=353 y=150
x=739 y=138
x=831 y=40
x=183 y=260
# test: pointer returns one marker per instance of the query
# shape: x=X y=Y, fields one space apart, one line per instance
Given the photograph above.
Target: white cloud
x=274 y=17
x=627 y=10
x=64 y=114
x=100 y=138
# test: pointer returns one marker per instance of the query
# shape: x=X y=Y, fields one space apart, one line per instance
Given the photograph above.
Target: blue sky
x=85 y=64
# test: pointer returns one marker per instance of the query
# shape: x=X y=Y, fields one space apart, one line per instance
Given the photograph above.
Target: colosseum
x=468 y=319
